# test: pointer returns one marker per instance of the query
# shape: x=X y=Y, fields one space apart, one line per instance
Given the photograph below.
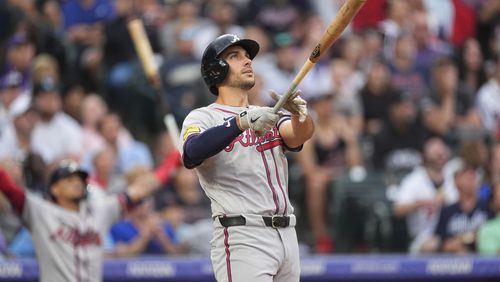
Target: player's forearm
x=14 y=193
x=295 y=133
x=200 y=147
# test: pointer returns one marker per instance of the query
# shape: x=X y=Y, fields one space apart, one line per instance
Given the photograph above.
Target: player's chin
x=248 y=84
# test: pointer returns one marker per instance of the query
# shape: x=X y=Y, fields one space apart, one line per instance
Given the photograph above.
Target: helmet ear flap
x=215 y=72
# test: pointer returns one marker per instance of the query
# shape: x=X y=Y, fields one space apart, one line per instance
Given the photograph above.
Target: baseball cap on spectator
x=47 y=84
x=11 y=79
x=65 y=169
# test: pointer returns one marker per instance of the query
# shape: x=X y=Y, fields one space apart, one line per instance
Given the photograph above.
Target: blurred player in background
x=238 y=152
x=69 y=229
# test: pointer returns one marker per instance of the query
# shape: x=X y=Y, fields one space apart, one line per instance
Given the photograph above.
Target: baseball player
x=238 y=152
x=68 y=231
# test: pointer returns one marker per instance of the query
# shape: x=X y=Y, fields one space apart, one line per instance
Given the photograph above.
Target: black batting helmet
x=65 y=169
x=213 y=68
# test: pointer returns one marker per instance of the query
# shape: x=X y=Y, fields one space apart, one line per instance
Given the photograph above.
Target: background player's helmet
x=66 y=168
x=214 y=69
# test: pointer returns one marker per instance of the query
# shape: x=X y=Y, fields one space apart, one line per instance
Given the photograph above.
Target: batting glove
x=260 y=119
x=295 y=104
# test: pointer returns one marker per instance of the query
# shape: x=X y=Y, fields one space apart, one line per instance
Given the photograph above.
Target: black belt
x=275 y=221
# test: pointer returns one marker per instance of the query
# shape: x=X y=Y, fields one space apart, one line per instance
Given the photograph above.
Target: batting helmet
x=65 y=169
x=214 y=69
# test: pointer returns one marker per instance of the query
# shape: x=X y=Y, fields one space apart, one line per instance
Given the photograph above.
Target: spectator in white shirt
x=488 y=101
x=423 y=192
x=56 y=136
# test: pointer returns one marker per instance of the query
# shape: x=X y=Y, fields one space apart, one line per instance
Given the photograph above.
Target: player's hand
x=260 y=119
x=295 y=104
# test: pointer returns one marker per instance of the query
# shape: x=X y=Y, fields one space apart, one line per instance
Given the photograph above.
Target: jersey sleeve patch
x=190 y=130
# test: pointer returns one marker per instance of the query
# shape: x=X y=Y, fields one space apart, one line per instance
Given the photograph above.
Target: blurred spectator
x=369 y=16
x=347 y=82
x=275 y=15
x=471 y=65
x=186 y=17
x=130 y=152
x=398 y=145
x=352 y=50
x=120 y=59
x=448 y=110
x=404 y=72
x=422 y=193
x=190 y=196
x=440 y=15
x=455 y=20
x=56 y=136
x=492 y=172
x=11 y=98
x=331 y=152
x=84 y=29
x=180 y=75
x=19 y=55
x=104 y=174
x=429 y=46
x=395 y=24
x=488 y=238
x=488 y=19
x=372 y=49
x=15 y=139
x=375 y=97
x=283 y=68
x=266 y=57
x=143 y=233
x=458 y=223
x=474 y=153
x=92 y=110
x=72 y=99
x=48 y=26
x=488 y=102
x=222 y=16
x=464 y=23
x=83 y=20
x=43 y=66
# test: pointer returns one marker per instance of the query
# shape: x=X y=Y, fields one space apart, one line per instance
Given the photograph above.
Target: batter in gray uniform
x=68 y=232
x=238 y=152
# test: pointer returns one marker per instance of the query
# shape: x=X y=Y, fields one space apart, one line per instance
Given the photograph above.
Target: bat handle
x=284 y=98
x=298 y=78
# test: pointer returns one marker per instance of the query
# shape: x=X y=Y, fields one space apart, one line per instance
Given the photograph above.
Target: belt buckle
x=274 y=221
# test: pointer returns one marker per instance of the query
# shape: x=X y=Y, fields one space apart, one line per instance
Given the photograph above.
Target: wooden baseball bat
x=333 y=32
x=143 y=48
x=145 y=52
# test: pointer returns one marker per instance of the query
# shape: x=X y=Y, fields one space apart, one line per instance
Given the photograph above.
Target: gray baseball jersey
x=250 y=178
x=69 y=245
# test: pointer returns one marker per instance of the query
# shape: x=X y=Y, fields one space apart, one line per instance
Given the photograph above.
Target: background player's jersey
x=250 y=175
x=69 y=245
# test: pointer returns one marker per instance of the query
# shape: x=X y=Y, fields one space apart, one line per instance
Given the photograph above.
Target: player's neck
x=69 y=205
x=233 y=98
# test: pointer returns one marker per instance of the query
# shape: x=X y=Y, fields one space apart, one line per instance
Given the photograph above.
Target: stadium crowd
x=409 y=94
